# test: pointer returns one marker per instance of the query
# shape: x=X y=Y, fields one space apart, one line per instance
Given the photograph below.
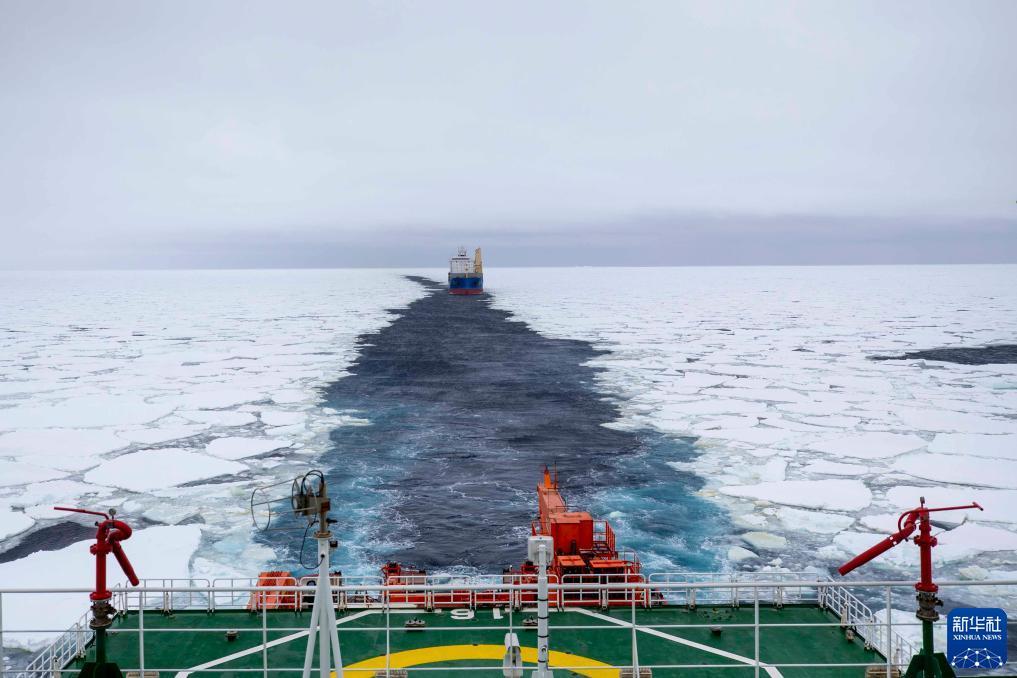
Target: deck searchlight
x=926 y=664
x=309 y=499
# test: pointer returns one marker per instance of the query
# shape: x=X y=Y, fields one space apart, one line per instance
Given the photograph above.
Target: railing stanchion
x=264 y=633
x=388 y=635
x=512 y=605
x=635 y=650
x=889 y=633
x=755 y=626
x=141 y=634
x=3 y=670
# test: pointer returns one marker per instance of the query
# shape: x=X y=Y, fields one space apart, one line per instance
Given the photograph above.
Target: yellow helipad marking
x=444 y=653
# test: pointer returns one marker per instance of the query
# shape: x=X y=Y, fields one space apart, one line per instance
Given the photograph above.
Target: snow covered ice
x=774 y=363
x=155 y=469
x=170 y=395
x=143 y=391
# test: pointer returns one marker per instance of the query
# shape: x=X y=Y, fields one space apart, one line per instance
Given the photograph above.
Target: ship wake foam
x=465 y=406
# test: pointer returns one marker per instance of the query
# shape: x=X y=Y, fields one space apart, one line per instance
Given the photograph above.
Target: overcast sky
x=177 y=134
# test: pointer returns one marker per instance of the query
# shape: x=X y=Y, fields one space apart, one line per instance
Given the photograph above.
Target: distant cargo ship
x=465 y=276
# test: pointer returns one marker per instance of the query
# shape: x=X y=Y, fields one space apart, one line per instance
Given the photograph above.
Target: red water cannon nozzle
x=907 y=523
x=109 y=533
x=927 y=662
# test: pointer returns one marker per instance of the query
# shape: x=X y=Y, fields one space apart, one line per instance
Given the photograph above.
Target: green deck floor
x=362 y=637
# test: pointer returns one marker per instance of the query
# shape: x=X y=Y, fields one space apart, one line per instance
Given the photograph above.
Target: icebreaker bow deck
x=576 y=606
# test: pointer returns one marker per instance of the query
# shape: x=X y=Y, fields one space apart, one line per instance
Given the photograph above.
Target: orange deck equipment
x=582 y=545
x=584 y=553
x=274 y=600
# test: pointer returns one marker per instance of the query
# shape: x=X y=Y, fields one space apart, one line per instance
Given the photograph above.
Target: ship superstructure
x=466 y=275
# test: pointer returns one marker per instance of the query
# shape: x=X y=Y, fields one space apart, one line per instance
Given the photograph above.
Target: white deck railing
x=879 y=631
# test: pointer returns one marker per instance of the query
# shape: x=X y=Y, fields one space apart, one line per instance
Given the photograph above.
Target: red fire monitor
x=906 y=525
x=108 y=535
x=927 y=663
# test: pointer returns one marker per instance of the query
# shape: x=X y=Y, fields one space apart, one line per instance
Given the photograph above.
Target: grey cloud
x=262 y=134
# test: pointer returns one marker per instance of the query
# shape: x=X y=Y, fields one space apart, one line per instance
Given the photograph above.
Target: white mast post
x=540 y=549
x=322 y=612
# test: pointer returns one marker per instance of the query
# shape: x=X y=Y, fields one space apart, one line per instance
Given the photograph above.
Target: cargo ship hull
x=466 y=275
x=465 y=284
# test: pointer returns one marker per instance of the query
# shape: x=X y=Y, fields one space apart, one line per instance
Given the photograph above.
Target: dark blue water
x=996 y=354
x=466 y=407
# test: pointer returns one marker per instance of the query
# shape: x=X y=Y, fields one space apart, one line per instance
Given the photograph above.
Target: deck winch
x=926 y=664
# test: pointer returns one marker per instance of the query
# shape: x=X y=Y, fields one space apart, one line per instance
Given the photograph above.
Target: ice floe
x=757 y=435
x=175 y=345
x=221 y=418
x=737 y=554
x=83 y=412
x=239 y=448
x=822 y=522
x=16 y=473
x=12 y=522
x=948 y=468
x=154 y=469
x=833 y=468
x=282 y=417
x=85 y=442
x=774 y=363
x=872 y=445
x=67 y=449
x=1000 y=505
x=953 y=421
x=764 y=541
x=840 y=495
x=54 y=492
x=772 y=470
x=166 y=431
x=215 y=399
x=98 y=367
x=975 y=444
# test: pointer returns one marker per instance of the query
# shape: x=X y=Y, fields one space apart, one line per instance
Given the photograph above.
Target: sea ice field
x=732 y=418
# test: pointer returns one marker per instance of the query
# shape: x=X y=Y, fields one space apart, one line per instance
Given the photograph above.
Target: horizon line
x=488 y=267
